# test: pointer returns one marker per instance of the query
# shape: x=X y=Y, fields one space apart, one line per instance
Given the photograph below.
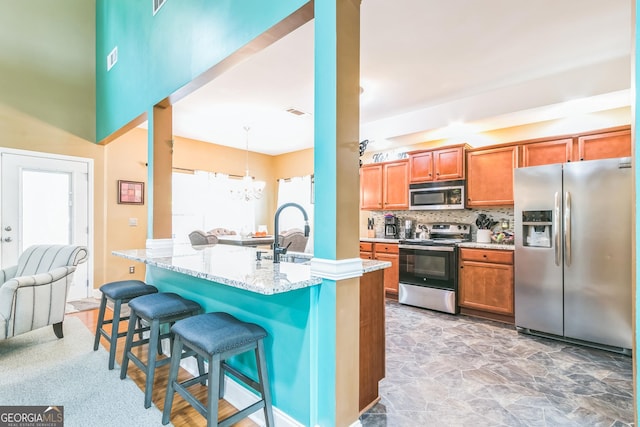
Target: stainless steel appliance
x=573 y=259
x=429 y=267
x=391 y=227
x=408 y=229
x=437 y=195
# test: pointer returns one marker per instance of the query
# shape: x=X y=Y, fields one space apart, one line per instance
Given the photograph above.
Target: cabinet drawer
x=366 y=246
x=387 y=248
x=366 y=255
x=487 y=255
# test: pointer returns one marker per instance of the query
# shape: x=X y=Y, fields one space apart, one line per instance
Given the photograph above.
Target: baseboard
x=241 y=397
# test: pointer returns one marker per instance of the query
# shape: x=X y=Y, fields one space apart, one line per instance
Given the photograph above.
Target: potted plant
x=484 y=223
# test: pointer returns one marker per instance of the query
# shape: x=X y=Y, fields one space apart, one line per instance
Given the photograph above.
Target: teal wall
x=47 y=62
x=159 y=54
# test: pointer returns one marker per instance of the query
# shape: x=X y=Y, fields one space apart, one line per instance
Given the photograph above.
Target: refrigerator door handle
x=556 y=227
x=567 y=228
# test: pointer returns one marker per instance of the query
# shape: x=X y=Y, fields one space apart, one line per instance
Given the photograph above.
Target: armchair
x=33 y=293
x=293 y=239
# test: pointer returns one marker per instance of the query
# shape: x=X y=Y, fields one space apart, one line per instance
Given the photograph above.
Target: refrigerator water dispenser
x=536 y=228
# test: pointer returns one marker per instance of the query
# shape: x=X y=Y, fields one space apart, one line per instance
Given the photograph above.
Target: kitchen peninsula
x=285 y=299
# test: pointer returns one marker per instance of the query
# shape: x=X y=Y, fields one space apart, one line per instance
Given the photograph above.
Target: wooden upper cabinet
x=421 y=166
x=443 y=164
x=490 y=176
x=449 y=163
x=395 y=188
x=384 y=186
x=547 y=152
x=605 y=145
x=371 y=187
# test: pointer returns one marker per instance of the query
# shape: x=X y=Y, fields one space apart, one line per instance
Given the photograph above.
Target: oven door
x=429 y=266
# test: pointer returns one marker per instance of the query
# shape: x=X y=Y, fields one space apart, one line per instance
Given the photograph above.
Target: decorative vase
x=484 y=236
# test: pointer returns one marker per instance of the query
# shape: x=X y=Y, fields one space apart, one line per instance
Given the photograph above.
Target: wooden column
x=162 y=169
x=336 y=169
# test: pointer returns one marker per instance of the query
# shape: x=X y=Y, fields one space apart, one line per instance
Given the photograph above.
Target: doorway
x=45 y=200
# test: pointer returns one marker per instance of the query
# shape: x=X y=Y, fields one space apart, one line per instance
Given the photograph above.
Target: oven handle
x=428 y=248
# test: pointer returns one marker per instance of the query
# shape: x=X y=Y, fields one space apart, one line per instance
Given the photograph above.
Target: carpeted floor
x=36 y=368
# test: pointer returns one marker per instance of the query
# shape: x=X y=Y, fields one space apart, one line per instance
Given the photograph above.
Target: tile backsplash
x=467 y=216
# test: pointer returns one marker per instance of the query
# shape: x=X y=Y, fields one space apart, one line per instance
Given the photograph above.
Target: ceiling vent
x=157 y=4
x=296 y=112
x=112 y=58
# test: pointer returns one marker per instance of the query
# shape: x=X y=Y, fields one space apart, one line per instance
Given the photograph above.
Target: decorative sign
x=385 y=157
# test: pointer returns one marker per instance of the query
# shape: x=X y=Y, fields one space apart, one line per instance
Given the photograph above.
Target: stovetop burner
x=444 y=234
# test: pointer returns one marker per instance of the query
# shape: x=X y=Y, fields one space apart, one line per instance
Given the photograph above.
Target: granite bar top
x=235 y=266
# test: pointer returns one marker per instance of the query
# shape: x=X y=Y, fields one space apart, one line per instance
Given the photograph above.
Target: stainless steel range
x=429 y=266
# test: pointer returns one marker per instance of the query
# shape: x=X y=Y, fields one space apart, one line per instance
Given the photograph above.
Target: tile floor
x=445 y=370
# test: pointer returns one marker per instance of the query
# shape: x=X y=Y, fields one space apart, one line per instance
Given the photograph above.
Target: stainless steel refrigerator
x=573 y=251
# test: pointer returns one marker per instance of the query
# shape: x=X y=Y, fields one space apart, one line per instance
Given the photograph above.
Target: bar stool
x=156 y=310
x=117 y=292
x=216 y=337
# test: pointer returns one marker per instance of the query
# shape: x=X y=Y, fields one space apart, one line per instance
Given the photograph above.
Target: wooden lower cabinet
x=366 y=250
x=372 y=337
x=485 y=283
x=385 y=252
x=389 y=252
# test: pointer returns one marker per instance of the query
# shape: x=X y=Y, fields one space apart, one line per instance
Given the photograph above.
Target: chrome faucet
x=277 y=250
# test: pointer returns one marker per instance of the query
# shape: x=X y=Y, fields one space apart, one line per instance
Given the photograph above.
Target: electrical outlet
x=132 y=269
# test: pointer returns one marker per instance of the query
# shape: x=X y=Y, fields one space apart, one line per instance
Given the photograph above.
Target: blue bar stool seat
x=156 y=310
x=216 y=337
x=118 y=293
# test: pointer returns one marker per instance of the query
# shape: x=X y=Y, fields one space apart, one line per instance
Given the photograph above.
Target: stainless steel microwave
x=437 y=195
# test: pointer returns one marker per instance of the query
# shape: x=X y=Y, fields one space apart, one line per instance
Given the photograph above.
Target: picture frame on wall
x=130 y=192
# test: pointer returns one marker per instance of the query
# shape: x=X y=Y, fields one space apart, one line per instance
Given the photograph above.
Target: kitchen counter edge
x=269 y=280
x=379 y=240
x=499 y=246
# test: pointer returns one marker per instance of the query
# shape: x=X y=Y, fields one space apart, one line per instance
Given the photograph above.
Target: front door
x=44 y=201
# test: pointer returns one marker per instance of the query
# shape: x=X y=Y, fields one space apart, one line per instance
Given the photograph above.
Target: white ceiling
x=424 y=65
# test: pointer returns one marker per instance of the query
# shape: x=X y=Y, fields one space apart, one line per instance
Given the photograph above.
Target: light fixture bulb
x=249 y=189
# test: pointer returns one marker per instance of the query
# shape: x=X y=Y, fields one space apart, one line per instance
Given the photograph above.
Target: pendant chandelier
x=248 y=189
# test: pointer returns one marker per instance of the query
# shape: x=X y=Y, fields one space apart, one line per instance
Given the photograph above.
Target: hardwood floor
x=182 y=413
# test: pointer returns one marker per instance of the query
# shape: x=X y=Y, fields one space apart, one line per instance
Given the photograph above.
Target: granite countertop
x=477 y=245
x=235 y=266
x=379 y=240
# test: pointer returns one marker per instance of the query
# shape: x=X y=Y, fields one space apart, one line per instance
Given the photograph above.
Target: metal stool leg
x=173 y=377
x=103 y=306
x=115 y=326
x=127 y=345
x=263 y=377
x=201 y=371
x=214 y=390
x=154 y=339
